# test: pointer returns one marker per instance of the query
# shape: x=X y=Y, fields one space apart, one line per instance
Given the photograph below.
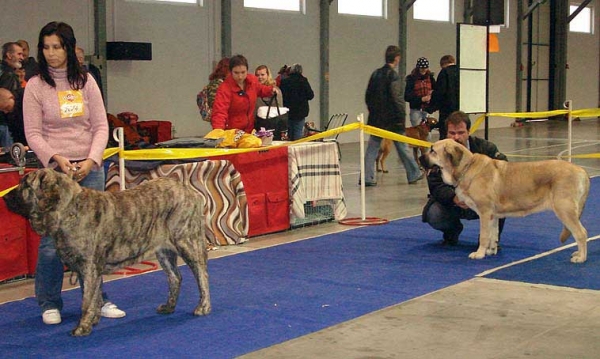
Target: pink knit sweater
x=76 y=138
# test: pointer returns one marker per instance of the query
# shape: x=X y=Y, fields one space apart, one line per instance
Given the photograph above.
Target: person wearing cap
x=419 y=86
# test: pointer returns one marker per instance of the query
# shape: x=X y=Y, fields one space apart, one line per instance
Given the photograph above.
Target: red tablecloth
x=18 y=256
x=265 y=177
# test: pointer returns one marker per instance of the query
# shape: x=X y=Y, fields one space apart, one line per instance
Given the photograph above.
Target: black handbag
x=279 y=123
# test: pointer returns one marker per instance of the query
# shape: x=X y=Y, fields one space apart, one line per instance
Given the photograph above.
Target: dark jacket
x=384 y=100
x=410 y=96
x=14 y=120
x=31 y=68
x=10 y=80
x=445 y=97
x=444 y=193
x=296 y=93
x=97 y=75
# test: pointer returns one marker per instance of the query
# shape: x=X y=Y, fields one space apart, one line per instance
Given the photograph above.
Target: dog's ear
x=46 y=190
x=455 y=155
x=48 y=194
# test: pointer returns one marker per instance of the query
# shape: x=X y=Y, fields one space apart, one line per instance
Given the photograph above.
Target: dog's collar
x=462 y=174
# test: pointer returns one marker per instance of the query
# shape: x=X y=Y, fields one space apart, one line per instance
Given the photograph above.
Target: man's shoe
x=369 y=184
x=418 y=179
x=51 y=316
x=110 y=310
x=451 y=237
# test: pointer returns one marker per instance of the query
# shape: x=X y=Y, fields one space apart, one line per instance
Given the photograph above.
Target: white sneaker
x=110 y=310
x=51 y=316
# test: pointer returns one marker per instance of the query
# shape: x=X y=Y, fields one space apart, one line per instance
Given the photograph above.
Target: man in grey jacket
x=384 y=98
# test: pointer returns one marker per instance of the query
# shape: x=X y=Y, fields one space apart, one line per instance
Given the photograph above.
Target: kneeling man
x=444 y=210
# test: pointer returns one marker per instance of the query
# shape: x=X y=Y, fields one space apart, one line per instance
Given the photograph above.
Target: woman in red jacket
x=236 y=97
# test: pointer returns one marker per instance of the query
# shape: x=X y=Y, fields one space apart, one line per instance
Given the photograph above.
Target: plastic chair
x=335 y=121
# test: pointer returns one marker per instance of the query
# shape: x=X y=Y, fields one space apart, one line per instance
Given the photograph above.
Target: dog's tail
x=564 y=234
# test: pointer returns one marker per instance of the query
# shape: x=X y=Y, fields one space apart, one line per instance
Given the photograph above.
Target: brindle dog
x=97 y=232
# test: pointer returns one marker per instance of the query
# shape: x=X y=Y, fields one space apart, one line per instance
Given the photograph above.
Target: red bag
x=129 y=118
x=158 y=131
x=132 y=137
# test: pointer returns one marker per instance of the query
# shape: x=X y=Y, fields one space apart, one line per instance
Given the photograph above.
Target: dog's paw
x=477 y=255
x=386 y=171
x=577 y=258
x=81 y=331
x=491 y=251
x=202 y=309
x=165 y=309
x=378 y=170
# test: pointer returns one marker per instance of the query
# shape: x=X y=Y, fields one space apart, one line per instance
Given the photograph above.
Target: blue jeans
x=417 y=116
x=410 y=165
x=6 y=139
x=295 y=129
x=49 y=271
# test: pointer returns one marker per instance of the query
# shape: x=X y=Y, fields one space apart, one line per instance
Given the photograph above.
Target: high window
x=376 y=8
x=433 y=10
x=286 y=5
x=199 y=2
x=583 y=22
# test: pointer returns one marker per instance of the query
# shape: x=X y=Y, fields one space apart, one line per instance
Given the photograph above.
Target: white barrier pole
x=119 y=136
x=361 y=140
x=569 y=107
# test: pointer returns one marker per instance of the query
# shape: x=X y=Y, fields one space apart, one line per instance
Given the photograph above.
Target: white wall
x=166 y=87
x=23 y=19
x=186 y=43
x=357 y=47
x=271 y=38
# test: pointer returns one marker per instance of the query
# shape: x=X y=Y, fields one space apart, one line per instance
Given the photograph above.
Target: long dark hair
x=76 y=75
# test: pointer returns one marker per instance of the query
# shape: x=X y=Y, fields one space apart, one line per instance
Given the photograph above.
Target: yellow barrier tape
x=188 y=153
x=395 y=137
x=109 y=152
x=2 y=193
x=585 y=113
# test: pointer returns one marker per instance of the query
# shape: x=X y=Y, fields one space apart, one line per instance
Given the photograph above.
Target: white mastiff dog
x=497 y=189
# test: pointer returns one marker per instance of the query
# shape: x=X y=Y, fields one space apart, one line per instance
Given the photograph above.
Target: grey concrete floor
x=479 y=318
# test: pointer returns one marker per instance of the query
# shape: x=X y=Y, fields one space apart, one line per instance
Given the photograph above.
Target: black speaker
x=120 y=50
x=480 y=12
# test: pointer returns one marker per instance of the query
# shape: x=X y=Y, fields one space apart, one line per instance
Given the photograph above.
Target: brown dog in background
x=420 y=132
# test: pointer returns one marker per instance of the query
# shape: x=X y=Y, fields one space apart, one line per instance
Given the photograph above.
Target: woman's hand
x=83 y=169
x=65 y=165
x=77 y=170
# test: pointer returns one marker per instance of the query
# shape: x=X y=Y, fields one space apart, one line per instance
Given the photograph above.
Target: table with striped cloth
x=314 y=171
x=219 y=183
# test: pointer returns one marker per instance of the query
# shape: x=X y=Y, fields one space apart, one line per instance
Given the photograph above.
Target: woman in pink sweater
x=65 y=124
